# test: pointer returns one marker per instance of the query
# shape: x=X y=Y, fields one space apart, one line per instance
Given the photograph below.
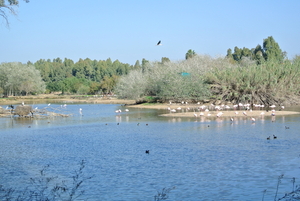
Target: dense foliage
x=203 y=77
x=261 y=75
x=20 y=79
x=83 y=77
x=168 y=81
x=269 y=51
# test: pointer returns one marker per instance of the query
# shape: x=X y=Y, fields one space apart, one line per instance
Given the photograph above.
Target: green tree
x=272 y=50
x=137 y=65
x=258 y=54
x=18 y=79
x=8 y=6
x=165 y=60
x=190 y=54
x=230 y=56
x=144 y=64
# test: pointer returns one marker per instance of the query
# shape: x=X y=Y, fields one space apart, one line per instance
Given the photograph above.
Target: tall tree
x=8 y=6
x=230 y=56
x=272 y=50
x=190 y=54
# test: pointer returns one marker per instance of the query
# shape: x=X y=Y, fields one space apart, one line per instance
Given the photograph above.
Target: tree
x=272 y=50
x=137 y=65
x=8 y=6
x=18 y=78
x=230 y=56
x=190 y=54
x=165 y=60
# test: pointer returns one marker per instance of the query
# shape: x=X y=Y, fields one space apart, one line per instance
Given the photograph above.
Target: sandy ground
x=186 y=110
x=67 y=99
x=190 y=110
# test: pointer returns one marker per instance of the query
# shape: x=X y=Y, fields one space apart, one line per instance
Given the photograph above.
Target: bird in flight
x=159 y=43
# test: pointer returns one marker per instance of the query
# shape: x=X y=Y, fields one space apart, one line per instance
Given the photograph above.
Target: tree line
x=262 y=75
x=20 y=79
x=85 y=76
x=270 y=50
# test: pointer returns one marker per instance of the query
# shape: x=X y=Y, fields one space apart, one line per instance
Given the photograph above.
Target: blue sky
x=128 y=30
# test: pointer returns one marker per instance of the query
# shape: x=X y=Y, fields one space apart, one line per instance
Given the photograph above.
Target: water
x=203 y=160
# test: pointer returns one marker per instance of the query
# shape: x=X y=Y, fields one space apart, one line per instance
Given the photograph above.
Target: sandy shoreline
x=65 y=99
x=186 y=110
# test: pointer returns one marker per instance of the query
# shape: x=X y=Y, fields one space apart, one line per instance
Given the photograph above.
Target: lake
x=203 y=159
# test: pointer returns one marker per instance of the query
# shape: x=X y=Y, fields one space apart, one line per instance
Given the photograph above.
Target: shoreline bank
x=189 y=110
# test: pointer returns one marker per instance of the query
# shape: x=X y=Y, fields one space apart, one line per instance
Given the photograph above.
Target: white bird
x=126 y=110
x=80 y=111
x=195 y=115
x=219 y=114
x=201 y=114
x=49 y=104
x=173 y=110
x=23 y=103
x=244 y=113
x=231 y=118
x=253 y=119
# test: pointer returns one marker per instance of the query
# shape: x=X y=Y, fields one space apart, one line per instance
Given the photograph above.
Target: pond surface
x=204 y=159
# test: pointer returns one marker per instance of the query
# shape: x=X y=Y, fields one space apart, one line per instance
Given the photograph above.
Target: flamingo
x=244 y=113
x=253 y=119
x=219 y=114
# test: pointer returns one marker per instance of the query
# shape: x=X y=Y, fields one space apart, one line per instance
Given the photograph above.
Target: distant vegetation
x=203 y=77
x=261 y=75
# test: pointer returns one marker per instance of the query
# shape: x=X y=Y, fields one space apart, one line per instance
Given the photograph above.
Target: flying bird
x=159 y=43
